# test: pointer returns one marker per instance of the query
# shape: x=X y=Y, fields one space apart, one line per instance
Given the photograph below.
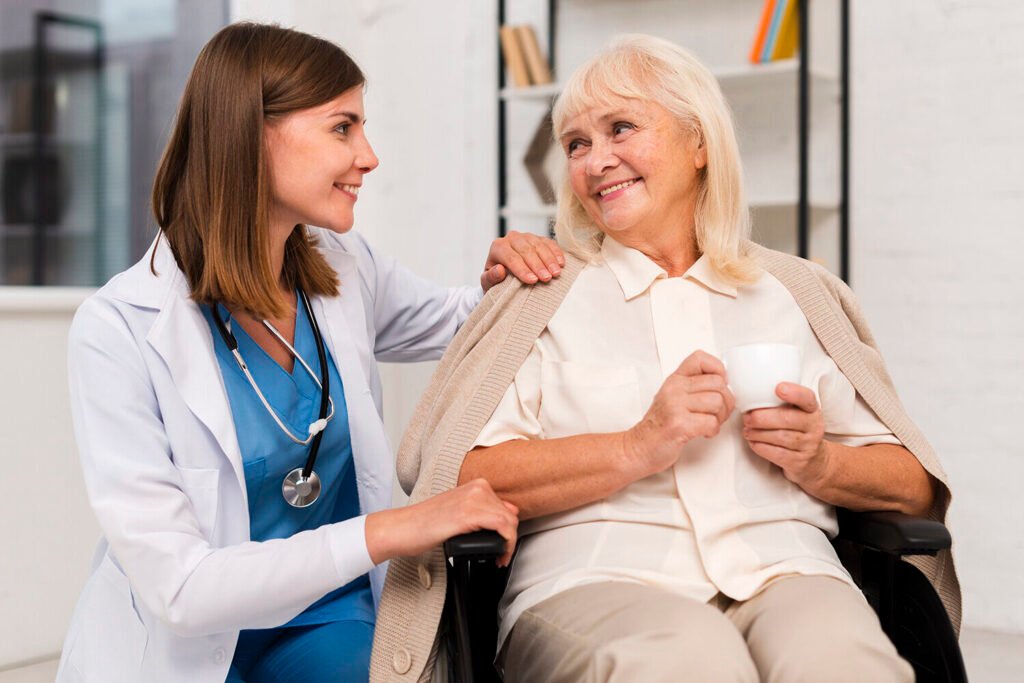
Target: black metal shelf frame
x=40 y=78
x=803 y=129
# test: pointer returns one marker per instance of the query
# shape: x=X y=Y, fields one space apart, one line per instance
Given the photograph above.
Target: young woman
x=225 y=394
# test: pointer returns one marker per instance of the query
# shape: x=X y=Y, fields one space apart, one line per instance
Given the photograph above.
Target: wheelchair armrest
x=893 y=532
x=474 y=546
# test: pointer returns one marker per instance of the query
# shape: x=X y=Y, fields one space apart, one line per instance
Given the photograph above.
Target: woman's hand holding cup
x=694 y=401
x=792 y=436
x=782 y=420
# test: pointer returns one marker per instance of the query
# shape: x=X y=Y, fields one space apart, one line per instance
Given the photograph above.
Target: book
x=773 y=31
x=514 y=58
x=788 y=38
x=536 y=65
x=762 y=31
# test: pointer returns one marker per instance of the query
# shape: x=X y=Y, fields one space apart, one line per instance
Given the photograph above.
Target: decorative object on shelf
x=526 y=65
x=778 y=32
x=20 y=113
x=19 y=189
x=538 y=159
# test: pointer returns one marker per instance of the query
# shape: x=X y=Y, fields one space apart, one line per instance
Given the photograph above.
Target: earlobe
x=700 y=159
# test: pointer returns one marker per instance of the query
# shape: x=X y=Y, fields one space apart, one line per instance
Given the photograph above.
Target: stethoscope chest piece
x=299 y=491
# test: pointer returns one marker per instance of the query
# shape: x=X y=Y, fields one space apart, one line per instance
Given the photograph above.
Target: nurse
x=225 y=394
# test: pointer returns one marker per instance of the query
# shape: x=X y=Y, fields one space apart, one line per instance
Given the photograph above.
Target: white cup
x=754 y=370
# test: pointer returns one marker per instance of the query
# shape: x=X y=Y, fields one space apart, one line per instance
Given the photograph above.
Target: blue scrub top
x=268 y=454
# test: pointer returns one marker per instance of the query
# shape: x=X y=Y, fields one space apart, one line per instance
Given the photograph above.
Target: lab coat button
x=401 y=661
x=219 y=655
x=425 y=579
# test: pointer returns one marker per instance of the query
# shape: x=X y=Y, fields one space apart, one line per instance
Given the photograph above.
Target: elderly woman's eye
x=573 y=147
x=621 y=127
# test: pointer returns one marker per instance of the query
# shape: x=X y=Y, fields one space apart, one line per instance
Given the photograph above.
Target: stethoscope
x=301 y=487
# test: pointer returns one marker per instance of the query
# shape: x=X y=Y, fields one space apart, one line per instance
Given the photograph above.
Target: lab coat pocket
x=588 y=397
x=200 y=485
x=112 y=644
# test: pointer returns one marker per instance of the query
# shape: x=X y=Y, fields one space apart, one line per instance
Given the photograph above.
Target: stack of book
x=526 y=65
x=778 y=32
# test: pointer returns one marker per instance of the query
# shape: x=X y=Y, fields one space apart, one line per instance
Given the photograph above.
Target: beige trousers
x=801 y=628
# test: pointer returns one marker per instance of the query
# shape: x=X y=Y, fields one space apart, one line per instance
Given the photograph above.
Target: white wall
x=938 y=196
x=937 y=91
x=48 y=532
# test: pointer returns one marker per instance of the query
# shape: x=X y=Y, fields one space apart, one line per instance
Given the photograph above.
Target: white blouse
x=721 y=519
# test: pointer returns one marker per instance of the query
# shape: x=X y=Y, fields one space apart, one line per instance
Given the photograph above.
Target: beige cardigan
x=481 y=363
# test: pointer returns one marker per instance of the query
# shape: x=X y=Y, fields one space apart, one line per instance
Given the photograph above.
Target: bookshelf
x=51 y=154
x=792 y=116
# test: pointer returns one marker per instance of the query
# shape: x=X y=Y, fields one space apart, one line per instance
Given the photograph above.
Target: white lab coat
x=175 y=576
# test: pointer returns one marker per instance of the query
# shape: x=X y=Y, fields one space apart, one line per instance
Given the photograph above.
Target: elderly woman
x=666 y=536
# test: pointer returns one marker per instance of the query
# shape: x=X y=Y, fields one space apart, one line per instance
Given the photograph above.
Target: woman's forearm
x=542 y=477
x=876 y=477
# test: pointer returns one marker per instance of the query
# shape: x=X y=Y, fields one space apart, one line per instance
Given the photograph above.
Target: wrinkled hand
x=527 y=256
x=693 y=401
x=791 y=436
x=414 y=529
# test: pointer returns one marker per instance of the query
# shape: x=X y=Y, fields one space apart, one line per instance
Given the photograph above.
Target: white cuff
x=348 y=548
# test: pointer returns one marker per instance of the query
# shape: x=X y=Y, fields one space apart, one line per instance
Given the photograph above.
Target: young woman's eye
x=621 y=127
x=342 y=128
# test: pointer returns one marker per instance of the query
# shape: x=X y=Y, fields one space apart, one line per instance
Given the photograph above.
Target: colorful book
x=762 y=31
x=773 y=31
x=788 y=38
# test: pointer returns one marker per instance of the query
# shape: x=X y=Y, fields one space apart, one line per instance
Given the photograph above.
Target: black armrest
x=477 y=545
x=893 y=532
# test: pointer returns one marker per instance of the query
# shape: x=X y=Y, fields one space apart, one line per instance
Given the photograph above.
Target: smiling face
x=317 y=159
x=634 y=168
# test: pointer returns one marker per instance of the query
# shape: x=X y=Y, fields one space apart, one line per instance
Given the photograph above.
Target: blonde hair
x=641 y=67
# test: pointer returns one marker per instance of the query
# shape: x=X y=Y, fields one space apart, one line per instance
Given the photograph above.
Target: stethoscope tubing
x=326 y=404
x=325 y=388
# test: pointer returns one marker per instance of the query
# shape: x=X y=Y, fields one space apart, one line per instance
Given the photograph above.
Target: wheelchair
x=870 y=544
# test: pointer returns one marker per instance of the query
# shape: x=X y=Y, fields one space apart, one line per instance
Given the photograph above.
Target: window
x=88 y=91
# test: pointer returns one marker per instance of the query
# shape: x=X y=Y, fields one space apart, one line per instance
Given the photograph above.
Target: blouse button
x=401 y=661
x=219 y=655
x=425 y=579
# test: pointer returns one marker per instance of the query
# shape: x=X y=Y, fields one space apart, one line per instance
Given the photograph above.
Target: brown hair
x=211 y=195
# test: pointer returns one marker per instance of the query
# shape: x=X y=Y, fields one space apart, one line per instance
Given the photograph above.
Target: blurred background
x=918 y=204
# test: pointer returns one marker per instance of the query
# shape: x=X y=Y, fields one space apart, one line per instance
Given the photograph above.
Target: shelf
x=20 y=62
x=18 y=230
x=524 y=212
x=778 y=114
x=27 y=139
x=782 y=72
x=791 y=202
x=531 y=92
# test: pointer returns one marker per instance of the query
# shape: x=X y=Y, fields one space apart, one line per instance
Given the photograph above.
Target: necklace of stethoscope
x=301 y=487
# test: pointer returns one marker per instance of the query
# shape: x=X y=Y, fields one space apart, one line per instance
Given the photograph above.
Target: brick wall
x=937 y=205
